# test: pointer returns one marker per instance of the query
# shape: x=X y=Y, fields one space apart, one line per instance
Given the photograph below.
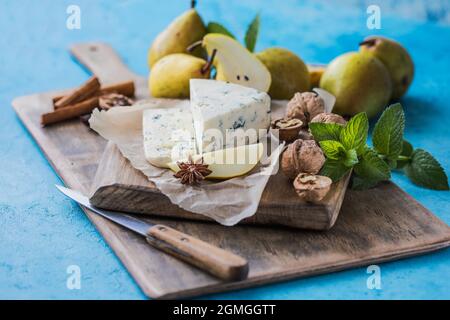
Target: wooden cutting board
x=374 y=226
x=120 y=187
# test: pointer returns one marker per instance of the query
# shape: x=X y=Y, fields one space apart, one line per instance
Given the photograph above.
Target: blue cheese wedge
x=168 y=135
x=227 y=115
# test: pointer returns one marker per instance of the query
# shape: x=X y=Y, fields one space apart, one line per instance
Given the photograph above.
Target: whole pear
x=182 y=32
x=169 y=77
x=289 y=72
x=315 y=73
x=396 y=59
x=360 y=82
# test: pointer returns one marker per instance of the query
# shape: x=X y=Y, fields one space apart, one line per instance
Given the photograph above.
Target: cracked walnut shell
x=305 y=106
x=312 y=188
x=111 y=100
x=302 y=156
x=329 y=118
x=288 y=129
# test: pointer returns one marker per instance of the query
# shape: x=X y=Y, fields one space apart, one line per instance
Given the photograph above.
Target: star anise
x=192 y=172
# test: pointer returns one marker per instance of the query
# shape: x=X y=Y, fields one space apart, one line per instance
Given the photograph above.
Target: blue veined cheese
x=226 y=114
x=168 y=135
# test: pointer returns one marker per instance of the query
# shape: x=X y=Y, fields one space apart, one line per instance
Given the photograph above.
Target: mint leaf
x=214 y=27
x=325 y=131
x=333 y=149
x=252 y=34
x=425 y=171
x=404 y=157
x=407 y=149
x=392 y=163
x=362 y=184
x=354 y=134
x=351 y=158
x=371 y=170
x=388 y=132
x=334 y=169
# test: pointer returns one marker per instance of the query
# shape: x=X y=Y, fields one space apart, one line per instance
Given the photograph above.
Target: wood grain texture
x=374 y=226
x=216 y=261
x=120 y=187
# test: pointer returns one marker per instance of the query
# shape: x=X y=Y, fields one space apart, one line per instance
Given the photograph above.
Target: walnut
x=288 y=129
x=304 y=134
x=111 y=100
x=305 y=106
x=302 y=156
x=329 y=118
x=312 y=187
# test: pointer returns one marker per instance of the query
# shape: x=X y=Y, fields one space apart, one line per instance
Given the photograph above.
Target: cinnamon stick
x=125 y=88
x=70 y=112
x=85 y=91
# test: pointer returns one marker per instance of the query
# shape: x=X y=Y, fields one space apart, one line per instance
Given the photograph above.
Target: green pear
x=169 y=77
x=182 y=32
x=289 y=72
x=396 y=59
x=360 y=83
x=235 y=64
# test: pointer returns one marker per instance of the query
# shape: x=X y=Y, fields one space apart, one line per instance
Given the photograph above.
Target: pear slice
x=228 y=163
x=236 y=64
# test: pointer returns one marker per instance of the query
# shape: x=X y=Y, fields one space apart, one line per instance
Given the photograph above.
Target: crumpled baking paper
x=227 y=202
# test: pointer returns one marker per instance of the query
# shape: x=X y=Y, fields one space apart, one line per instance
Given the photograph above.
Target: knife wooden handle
x=214 y=260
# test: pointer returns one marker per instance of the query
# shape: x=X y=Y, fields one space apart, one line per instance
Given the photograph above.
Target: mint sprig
x=345 y=148
x=424 y=170
x=387 y=135
x=334 y=169
x=325 y=131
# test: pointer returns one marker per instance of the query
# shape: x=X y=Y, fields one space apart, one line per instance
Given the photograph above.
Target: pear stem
x=369 y=42
x=208 y=64
x=193 y=4
x=194 y=45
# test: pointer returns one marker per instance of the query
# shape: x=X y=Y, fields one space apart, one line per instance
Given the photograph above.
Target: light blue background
x=42 y=233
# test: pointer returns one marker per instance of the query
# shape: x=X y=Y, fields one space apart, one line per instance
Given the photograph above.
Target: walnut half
x=312 y=188
x=288 y=129
x=302 y=156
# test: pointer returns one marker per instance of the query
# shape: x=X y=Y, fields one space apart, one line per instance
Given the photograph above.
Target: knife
x=214 y=260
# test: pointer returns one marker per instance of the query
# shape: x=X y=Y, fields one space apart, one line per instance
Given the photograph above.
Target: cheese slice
x=227 y=115
x=168 y=135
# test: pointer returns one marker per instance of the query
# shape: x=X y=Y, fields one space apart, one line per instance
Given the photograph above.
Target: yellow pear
x=360 y=83
x=228 y=163
x=235 y=64
x=289 y=72
x=315 y=74
x=169 y=77
x=396 y=59
x=182 y=32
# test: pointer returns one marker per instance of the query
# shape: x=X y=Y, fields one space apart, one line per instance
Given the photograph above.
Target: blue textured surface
x=42 y=233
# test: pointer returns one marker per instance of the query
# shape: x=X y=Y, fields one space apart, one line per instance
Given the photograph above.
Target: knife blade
x=214 y=260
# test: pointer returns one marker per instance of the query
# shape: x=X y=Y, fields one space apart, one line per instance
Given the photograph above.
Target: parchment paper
x=227 y=202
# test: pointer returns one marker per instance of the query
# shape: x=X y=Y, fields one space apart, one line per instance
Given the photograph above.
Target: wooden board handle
x=101 y=59
x=221 y=263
